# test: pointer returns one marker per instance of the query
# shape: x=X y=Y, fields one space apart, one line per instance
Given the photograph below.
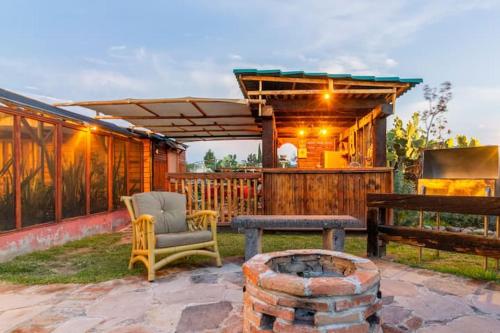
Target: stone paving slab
x=209 y=300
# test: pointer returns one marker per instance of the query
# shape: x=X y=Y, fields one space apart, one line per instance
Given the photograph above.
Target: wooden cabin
x=337 y=123
x=62 y=174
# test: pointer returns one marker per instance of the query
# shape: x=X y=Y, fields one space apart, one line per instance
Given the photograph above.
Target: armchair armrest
x=143 y=233
x=201 y=219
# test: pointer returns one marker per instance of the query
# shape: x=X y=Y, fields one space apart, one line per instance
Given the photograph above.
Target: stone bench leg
x=328 y=239
x=253 y=242
x=339 y=240
x=334 y=239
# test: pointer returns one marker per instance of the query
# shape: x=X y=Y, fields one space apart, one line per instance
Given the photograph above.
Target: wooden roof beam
x=348 y=82
x=320 y=92
x=333 y=81
x=152 y=101
x=173 y=117
x=336 y=103
x=203 y=125
x=218 y=130
x=283 y=79
x=197 y=107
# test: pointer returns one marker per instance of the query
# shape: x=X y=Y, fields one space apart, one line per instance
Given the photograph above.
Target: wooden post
x=268 y=139
x=375 y=246
x=372 y=232
x=497 y=223
x=438 y=223
x=58 y=180
x=486 y=222
x=17 y=170
x=379 y=142
x=88 y=156
x=127 y=173
x=110 y=172
x=421 y=224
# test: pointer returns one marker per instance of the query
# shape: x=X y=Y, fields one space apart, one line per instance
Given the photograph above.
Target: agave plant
x=73 y=188
x=7 y=219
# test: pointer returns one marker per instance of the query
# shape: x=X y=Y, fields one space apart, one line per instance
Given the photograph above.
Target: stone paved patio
x=210 y=300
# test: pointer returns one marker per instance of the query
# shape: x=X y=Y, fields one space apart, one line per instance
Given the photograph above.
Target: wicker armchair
x=160 y=227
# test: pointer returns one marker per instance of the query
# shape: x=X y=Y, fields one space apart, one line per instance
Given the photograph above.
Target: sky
x=87 y=50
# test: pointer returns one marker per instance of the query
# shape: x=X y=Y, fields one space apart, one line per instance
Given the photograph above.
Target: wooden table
x=333 y=228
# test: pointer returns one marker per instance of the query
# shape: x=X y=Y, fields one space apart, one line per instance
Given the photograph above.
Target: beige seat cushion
x=182 y=238
x=168 y=209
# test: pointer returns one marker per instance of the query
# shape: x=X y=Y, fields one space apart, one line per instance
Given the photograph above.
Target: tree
x=259 y=155
x=191 y=167
x=462 y=142
x=210 y=160
x=229 y=161
x=405 y=143
x=434 y=117
x=252 y=160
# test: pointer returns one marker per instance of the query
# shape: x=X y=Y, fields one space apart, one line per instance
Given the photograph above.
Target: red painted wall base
x=20 y=242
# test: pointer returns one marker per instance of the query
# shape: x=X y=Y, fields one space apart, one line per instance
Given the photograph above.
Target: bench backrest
x=436 y=203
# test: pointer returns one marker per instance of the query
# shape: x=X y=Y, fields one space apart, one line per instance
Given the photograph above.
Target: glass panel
x=73 y=172
x=98 y=173
x=7 y=217
x=37 y=172
x=119 y=172
x=134 y=168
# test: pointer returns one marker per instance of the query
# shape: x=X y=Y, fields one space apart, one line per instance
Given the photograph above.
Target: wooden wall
x=327 y=191
x=147 y=164
x=315 y=149
x=166 y=160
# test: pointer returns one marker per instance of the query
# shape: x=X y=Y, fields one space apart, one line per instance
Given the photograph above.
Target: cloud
x=101 y=79
x=122 y=52
x=233 y=56
x=358 y=37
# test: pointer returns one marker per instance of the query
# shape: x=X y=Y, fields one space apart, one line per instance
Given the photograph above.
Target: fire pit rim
x=365 y=276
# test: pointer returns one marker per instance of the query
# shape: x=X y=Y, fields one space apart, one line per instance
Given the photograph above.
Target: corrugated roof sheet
x=23 y=101
x=277 y=72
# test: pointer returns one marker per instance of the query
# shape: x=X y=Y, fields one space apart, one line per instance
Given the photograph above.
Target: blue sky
x=69 y=50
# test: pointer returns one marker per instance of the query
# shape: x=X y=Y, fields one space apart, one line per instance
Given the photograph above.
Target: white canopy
x=184 y=119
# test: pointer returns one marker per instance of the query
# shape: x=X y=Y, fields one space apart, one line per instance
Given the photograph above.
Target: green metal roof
x=276 y=72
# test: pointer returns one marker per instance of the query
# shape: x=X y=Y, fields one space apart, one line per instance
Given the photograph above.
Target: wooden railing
x=379 y=233
x=228 y=193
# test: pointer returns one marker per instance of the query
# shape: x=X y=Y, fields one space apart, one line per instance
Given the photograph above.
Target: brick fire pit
x=311 y=291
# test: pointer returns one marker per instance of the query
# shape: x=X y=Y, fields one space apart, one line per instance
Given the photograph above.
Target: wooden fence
x=228 y=193
x=379 y=233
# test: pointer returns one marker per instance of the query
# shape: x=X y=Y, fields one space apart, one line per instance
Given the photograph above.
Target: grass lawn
x=105 y=257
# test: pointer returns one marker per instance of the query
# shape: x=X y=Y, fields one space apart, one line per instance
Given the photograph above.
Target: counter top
x=319 y=171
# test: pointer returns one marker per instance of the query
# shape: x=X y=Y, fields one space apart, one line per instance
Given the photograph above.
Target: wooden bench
x=333 y=228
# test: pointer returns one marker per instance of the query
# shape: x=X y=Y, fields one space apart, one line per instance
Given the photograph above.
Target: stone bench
x=333 y=228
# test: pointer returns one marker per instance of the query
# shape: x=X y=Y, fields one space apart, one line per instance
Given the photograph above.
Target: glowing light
x=302 y=132
x=93 y=128
x=323 y=132
x=326 y=96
